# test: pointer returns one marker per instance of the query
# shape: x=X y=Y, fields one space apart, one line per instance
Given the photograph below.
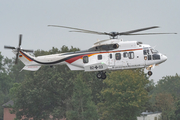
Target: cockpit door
x=145 y=53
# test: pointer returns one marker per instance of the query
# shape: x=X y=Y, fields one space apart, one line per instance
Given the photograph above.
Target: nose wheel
x=150 y=73
x=101 y=75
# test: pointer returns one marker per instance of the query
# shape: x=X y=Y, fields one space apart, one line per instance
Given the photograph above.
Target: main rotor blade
x=137 y=30
x=150 y=33
x=27 y=50
x=79 y=30
x=9 y=47
x=91 y=32
x=20 y=39
x=113 y=34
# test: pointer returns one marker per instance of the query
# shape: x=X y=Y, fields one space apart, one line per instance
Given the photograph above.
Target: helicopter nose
x=163 y=58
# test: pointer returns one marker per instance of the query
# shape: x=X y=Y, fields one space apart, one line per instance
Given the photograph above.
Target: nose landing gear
x=149 y=69
x=101 y=75
x=150 y=73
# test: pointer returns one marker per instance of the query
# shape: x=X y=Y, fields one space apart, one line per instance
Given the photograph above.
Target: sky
x=32 y=17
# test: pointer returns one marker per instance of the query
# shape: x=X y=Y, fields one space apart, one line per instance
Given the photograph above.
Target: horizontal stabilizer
x=31 y=68
x=96 y=67
x=73 y=67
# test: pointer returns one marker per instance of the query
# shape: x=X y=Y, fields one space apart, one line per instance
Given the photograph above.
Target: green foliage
x=149 y=105
x=38 y=96
x=1 y=58
x=177 y=110
x=165 y=97
x=5 y=82
x=47 y=92
x=165 y=103
x=169 y=84
x=83 y=108
x=124 y=95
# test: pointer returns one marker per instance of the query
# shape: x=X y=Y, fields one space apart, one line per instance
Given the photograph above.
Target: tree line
x=79 y=95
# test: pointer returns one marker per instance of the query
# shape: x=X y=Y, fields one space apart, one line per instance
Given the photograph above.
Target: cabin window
x=131 y=55
x=156 y=57
x=110 y=56
x=99 y=57
x=125 y=54
x=85 y=59
x=118 y=56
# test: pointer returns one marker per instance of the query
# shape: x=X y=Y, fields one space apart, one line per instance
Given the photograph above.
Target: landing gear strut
x=150 y=73
x=101 y=75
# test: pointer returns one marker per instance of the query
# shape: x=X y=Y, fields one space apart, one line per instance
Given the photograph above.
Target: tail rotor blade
x=20 y=39
x=16 y=60
x=9 y=47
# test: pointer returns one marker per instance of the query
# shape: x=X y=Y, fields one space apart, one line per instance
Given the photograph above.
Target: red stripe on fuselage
x=74 y=59
x=71 y=60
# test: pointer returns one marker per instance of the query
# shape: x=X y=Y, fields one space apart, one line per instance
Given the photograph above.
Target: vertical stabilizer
x=26 y=58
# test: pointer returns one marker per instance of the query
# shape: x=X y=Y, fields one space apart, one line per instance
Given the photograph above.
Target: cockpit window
x=146 y=51
x=154 y=51
x=149 y=50
x=156 y=57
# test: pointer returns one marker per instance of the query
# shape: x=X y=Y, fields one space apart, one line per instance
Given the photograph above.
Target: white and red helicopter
x=111 y=54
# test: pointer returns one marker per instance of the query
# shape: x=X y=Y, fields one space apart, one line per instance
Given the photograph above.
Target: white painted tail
x=28 y=61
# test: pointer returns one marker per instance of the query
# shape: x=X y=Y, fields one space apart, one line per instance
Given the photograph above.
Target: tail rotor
x=18 y=49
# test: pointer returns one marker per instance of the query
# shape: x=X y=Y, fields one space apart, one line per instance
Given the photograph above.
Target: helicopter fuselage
x=111 y=54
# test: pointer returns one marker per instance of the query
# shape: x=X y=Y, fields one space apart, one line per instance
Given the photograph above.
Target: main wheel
x=103 y=76
x=150 y=73
x=99 y=75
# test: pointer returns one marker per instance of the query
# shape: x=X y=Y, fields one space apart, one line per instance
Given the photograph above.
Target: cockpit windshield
x=153 y=51
x=149 y=50
x=151 y=54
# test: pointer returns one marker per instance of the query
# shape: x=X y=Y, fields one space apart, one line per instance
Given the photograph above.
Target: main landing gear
x=101 y=75
x=150 y=73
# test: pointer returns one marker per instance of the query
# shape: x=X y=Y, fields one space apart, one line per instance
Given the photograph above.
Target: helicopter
x=110 y=54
